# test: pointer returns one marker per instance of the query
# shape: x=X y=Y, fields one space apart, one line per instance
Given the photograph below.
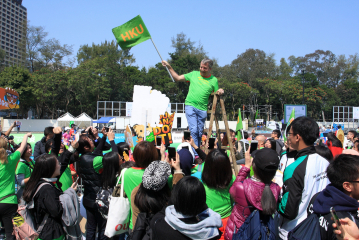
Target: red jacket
x=248 y=193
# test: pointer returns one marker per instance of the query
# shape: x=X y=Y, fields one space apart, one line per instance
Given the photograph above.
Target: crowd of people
x=284 y=187
x=193 y=195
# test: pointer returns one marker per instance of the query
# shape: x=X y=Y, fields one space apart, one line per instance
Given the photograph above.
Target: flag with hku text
x=131 y=33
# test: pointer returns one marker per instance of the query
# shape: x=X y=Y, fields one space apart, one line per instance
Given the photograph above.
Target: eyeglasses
x=290 y=134
x=353 y=181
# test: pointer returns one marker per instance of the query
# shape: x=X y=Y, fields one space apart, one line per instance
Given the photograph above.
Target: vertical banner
x=128 y=136
x=128 y=109
x=166 y=130
x=356 y=112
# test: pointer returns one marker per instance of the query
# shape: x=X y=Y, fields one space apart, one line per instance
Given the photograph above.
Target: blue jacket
x=344 y=205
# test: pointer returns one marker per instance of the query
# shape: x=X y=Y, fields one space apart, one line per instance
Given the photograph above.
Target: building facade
x=12 y=18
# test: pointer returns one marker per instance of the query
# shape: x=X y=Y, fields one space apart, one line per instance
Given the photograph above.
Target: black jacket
x=344 y=206
x=90 y=178
x=162 y=231
x=47 y=201
x=39 y=148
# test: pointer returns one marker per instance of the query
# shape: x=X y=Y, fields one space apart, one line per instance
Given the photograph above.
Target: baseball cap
x=266 y=159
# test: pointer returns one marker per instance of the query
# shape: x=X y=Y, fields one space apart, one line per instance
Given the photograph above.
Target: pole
x=145 y=131
x=162 y=60
x=303 y=84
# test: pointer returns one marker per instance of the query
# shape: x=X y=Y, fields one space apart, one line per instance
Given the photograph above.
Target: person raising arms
x=202 y=84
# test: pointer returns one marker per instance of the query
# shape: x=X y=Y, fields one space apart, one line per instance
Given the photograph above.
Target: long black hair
x=111 y=167
x=150 y=201
x=217 y=172
x=44 y=168
x=268 y=202
x=334 y=140
x=273 y=143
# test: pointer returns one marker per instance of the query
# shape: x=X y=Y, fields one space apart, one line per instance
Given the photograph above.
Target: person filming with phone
x=202 y=84
x=342 y=195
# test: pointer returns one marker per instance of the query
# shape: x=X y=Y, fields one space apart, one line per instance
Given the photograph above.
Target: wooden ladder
x=213 y=113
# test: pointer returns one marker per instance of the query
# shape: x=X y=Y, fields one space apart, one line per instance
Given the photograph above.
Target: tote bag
x=118 y=219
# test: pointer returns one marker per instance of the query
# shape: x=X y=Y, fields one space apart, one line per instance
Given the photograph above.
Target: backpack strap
x=44 y=221
x=9 y=195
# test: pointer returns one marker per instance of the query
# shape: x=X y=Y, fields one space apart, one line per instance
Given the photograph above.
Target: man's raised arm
x=176 y=77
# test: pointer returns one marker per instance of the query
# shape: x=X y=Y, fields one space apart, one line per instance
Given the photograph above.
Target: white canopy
x=66 y=117
x=84 y=118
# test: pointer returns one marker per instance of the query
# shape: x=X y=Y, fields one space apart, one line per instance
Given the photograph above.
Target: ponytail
x=3 y=153
x=268 y=202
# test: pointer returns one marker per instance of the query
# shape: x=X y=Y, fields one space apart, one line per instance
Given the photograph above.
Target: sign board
x=9 y=98
x=356 y=112
x=128 y=109
x=259 y=121
x=300 y=110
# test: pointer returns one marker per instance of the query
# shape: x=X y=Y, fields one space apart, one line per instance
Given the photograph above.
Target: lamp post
x=303 y=71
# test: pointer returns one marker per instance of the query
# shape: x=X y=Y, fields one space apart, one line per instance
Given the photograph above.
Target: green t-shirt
x=219 y=200
x=22 y=168
x=97 y=164
x=7 y=178
x=199 y=89
x=66 y=179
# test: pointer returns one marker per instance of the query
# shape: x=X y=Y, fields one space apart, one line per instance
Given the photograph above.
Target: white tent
x=83 y=120
x=64 y=120
x=66 y=117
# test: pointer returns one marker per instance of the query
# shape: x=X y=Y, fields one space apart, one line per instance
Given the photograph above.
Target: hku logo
x=132 y=33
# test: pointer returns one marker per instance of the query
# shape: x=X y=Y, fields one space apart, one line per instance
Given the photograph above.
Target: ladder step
x=220 y=130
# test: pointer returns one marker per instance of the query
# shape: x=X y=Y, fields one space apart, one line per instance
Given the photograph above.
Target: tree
x=285 y=71
x=108 y=49
x=19 y=79
x=39 y=52
x=2 y=59
x=253 y=64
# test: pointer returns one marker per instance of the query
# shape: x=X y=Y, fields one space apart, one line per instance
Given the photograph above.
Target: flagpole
x=162 y=60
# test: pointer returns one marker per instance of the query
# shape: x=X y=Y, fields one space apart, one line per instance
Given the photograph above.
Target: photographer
x=40 y=145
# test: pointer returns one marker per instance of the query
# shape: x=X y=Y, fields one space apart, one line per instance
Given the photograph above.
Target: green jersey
x=219 y=200
x=66 y=179
x=7 y=178
x=199 y=89
x=25 y=167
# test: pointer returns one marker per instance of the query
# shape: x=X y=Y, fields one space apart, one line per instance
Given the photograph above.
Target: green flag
x=291 y=118
x=131 y=33
x=256 y=115
x=71 y=122
x=239 y=126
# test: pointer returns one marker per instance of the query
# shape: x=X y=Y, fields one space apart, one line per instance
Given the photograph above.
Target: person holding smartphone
x=342 y=195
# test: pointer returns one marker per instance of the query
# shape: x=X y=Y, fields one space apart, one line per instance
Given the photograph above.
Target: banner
x=128 y=137
x=239 y=126
x=165 y=131
x=131 y=33
x=9 y=99
x=355 y=112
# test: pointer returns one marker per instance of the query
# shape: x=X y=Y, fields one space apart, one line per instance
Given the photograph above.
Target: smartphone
x=336 y=220
x=158 y=141
x=159 y=154
x=186 y=147
x=211 y=143
x=254 y=146
x=187 y=135
x=107 y=129
x=172 y=152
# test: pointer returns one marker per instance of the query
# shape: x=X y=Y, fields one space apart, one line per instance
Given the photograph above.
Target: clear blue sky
x=225 y=28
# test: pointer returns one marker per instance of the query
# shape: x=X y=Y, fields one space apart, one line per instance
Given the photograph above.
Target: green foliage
x=105 y=72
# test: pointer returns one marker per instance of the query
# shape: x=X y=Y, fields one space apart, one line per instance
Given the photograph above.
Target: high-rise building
x=12 y=18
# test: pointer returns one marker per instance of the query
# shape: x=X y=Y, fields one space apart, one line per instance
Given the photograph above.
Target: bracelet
x=178 y=171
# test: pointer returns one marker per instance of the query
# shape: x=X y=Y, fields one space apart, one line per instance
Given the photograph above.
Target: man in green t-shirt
x=202 y=84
